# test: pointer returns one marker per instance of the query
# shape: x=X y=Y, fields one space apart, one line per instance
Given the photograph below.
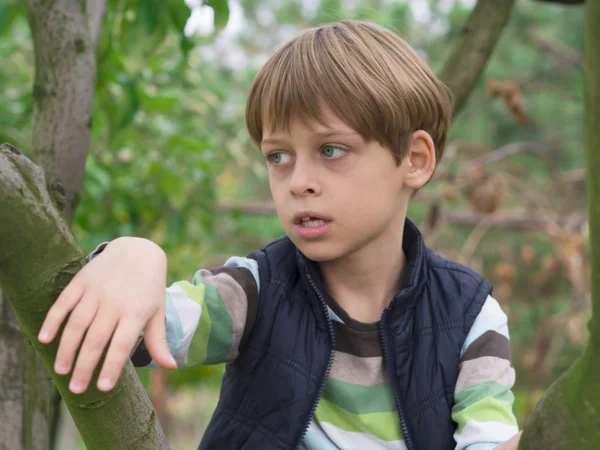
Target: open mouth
x=309 y=224
x=312 y=222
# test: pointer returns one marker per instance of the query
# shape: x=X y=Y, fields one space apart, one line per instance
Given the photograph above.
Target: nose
x=304 y=180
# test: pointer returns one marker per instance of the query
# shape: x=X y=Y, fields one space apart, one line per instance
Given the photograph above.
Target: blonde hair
x=365 y=74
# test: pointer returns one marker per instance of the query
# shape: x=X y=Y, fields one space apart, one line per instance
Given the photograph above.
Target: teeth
x=312 y=223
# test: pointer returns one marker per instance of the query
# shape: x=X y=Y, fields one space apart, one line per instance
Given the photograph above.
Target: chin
x=318 y=251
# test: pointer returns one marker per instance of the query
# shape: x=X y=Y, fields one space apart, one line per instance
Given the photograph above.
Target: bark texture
x=470 y=54
x=568 y=416
x=26 y=408
x=63 y=93
x=95 y=11
x=64 y=37
x=39 y=258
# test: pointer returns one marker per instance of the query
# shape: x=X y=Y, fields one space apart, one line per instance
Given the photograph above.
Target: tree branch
x=470 y=54
x=39 y=258
x=63 y=92
x=95 y=11
x=565 y=56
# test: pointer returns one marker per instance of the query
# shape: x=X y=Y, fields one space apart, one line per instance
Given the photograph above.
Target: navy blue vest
x=270 y=392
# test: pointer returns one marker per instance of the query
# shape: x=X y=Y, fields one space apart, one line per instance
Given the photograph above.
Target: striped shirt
x=208 y=320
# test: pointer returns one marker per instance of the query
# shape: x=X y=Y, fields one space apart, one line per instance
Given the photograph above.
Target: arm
x=483 y=397
x=207 y=320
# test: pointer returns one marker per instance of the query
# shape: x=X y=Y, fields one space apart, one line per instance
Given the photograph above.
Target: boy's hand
x=112 y=298
x=511 y=444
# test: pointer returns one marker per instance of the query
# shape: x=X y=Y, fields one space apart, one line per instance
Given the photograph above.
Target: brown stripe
x=485 y=368
x=356 y=370
x=247 y=282
x=490 y=343
x=364 y=344
x=345 y=317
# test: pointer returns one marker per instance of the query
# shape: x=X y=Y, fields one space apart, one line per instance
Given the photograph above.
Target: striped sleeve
x=483 y=397
x=208 y=319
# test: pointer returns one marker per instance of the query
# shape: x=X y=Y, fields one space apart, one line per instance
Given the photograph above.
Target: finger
x=119 y=351
x=155 y=339
x=93 y=346
x=77 y=325
x=64 y=304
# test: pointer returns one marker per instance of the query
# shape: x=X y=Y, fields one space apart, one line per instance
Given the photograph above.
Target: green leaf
x=221 y=9
x=129 y=86
x=179 y=13
x=8 y=12
x=149 y=13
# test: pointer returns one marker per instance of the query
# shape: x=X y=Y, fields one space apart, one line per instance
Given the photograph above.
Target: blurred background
x=170 y=160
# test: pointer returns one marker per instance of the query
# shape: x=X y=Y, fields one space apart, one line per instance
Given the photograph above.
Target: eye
x=333 y=151
x=278 y=158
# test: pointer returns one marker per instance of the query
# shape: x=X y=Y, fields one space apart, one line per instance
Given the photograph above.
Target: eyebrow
x=321 y=134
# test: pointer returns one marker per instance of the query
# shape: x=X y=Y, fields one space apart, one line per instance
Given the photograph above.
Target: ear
x=420 y=160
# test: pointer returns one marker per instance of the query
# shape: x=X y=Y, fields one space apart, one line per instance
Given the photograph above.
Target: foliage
x=169 y=144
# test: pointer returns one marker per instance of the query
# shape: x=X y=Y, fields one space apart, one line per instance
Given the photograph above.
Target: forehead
x=324 y=123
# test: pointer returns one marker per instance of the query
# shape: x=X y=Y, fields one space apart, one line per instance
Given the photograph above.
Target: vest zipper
x=329 y=364
x=391 y=372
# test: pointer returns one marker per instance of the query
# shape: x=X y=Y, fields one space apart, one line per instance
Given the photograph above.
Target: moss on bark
x=39 y=258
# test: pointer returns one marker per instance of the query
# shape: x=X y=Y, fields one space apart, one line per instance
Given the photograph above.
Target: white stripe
x=491 y=317
x=484 y=432
x=348 y=440
x=189 y=313
x=316 y=439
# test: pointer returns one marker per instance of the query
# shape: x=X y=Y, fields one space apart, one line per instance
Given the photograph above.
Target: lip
x=310 y=232
x=308 y=213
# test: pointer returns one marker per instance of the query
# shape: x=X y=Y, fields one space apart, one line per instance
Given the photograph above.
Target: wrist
x=129 y=244
x=139 y=246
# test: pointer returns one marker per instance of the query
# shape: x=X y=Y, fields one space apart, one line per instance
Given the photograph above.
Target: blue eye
x=333 y=151
x=278 y=158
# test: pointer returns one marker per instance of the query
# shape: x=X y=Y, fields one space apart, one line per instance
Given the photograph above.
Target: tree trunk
x=63 y=93
x=568 y=416
x=470 y=54
x=65 y=75
x=26 y=404
x=39 y=258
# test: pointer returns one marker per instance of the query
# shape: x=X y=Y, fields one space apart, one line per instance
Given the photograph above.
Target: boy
x=347 y=332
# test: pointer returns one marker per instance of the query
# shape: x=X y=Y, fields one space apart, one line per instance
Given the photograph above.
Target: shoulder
x=277 y=257
x=438 y=264
x=458 y=285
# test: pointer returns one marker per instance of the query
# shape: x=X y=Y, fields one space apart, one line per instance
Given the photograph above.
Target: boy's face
x=335 y=194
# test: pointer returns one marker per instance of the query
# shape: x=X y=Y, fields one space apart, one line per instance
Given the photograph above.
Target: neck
x=365 y=282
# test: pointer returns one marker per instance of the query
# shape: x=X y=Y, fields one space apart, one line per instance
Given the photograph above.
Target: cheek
x=367 y=201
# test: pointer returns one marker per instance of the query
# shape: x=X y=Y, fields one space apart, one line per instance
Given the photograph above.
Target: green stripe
x=487 y=410
x=360 y=399
x=199 y=344
x=383 y=425
x=221 y=331
x=478 y=392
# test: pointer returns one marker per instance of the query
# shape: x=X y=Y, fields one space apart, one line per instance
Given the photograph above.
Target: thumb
x=155 y=339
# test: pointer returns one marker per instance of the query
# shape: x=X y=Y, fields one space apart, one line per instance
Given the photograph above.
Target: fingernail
x=105 y=384
x=44 y=335
x=61 y=367
x=173 y=362
x=76 y=387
